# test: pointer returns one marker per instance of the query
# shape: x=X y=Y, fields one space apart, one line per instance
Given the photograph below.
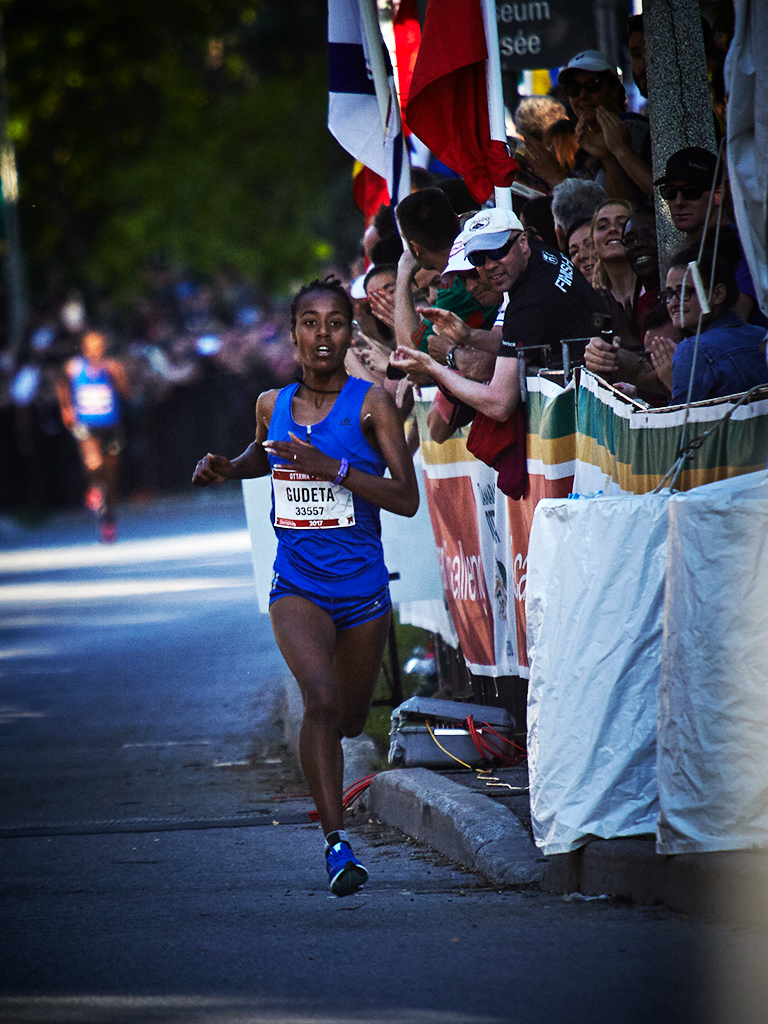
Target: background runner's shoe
x=108 y=533
x=345 y=872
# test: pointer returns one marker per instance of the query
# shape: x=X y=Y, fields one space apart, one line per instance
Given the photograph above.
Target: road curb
x=464 y=826
x=726 y=884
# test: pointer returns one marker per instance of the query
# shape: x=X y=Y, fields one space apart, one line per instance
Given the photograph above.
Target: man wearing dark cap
x=614 y=144
x=686 y=187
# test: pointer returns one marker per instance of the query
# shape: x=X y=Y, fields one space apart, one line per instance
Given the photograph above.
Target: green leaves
x=190 y=130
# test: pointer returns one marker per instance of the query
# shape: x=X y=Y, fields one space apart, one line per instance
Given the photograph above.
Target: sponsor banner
x=453 y=510
x=471 y=531
x=480 y=513
x=585 y=440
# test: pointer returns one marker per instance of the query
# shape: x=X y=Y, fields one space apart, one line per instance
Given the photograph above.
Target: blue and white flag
x=354 y=111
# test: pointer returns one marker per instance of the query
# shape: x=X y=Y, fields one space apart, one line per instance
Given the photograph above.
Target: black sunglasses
x=591 y=85
x=478 y=258
x=692 y=192
x=679 y=294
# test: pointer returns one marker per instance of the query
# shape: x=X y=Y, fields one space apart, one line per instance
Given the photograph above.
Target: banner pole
x=495 y=93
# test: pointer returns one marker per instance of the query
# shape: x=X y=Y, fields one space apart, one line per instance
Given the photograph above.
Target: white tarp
x=713 y=708
x=594 y=608
x=746 y=80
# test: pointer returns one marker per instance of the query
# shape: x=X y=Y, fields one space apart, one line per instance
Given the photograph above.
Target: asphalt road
x=158 y=863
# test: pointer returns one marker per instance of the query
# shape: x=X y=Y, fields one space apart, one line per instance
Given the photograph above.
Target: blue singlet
x=94 y=395
x=345 y=561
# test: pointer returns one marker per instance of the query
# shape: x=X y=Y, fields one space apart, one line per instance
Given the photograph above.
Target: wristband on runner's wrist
x=343 y=470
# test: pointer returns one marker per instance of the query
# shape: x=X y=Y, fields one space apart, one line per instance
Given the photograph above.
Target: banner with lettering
x=471 y=531
x=476 y=525
x=543 y=33
x=583 y=439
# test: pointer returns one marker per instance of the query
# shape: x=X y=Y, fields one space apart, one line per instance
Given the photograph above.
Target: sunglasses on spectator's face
x=691 y=192
x=679 y=294
x=591 y=85
x=477 y=259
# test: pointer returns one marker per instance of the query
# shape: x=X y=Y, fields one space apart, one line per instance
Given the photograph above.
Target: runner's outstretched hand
x=212 y=469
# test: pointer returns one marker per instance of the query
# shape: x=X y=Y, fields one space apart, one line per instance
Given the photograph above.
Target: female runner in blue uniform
x=327 y=442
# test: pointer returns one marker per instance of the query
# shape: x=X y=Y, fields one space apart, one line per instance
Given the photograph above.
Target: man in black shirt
x=547 y=301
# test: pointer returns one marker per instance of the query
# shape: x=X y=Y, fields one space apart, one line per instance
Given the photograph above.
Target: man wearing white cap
x=464 y=339
x=430 y=227
x=614 y=144
x=547 y=301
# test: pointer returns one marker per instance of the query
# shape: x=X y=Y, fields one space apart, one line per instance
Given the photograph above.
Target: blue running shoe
x=345 y=872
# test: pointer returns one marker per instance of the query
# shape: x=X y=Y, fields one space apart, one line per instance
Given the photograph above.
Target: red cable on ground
x=351 y=793
x=486 y=750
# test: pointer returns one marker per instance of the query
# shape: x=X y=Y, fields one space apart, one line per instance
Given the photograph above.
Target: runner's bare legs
x=336 y=673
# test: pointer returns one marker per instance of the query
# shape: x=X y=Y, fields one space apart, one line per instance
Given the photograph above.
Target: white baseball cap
x=489 y=229
x=587 y=60
x=457 y=259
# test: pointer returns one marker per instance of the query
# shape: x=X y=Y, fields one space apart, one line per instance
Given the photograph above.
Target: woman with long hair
x=613 y=278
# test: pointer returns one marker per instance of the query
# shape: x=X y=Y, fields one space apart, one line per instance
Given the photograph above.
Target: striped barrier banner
x=624 y=448
x=585 y=438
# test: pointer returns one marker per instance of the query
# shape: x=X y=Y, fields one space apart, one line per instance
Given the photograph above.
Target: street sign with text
x=543 y=33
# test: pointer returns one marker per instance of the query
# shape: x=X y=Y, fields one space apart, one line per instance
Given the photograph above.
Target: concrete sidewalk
x=456 y=816
x=486 y=826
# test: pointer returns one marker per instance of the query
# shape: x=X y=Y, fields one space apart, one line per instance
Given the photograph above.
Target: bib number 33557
x=305 y=503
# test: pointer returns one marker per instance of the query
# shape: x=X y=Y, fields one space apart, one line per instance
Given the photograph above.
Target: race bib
x=305 y=503
x=95 y=399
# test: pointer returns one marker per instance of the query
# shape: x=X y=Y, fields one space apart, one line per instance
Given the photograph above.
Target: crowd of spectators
x=596 y=208
x=472 y=295
x=196 y=354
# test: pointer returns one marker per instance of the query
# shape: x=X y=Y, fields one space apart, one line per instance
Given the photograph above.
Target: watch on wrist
x=450 y=359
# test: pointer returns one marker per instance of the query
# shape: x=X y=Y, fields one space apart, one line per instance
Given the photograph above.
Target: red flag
x=369 y=190
x=448 y=99
x=407 y=38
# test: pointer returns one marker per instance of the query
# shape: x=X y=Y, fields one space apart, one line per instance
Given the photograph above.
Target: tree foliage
x=192 y=129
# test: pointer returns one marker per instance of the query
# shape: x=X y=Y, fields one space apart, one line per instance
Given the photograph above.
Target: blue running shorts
x=346 y=612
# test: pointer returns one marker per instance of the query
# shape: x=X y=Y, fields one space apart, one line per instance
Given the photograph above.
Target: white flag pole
x=386 y=95
x=370 y=22
x=495 y=93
